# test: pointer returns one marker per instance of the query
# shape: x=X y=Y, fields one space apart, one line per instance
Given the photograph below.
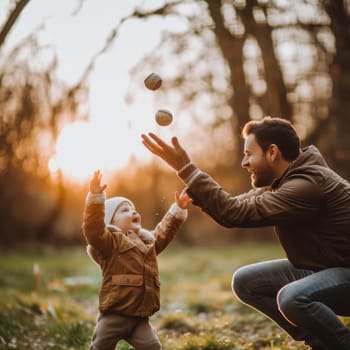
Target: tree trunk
x=232 y=50
x=340 y=74
x=276 y=93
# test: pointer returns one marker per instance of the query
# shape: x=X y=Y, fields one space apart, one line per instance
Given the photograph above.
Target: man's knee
x=291 y=303
x=241 y=282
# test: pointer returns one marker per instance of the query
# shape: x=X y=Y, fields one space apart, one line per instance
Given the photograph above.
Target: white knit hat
x=111 y=206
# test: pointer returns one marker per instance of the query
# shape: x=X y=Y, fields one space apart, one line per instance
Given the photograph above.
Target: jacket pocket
x=127 y=280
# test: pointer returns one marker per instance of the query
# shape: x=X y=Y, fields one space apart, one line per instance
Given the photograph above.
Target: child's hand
x=95 y=183
x=183 y=200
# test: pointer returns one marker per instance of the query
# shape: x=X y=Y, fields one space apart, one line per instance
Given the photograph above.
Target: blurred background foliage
x=237 y=60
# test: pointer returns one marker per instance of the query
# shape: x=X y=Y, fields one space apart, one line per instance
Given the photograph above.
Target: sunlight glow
x=112 y=136
x=83 y=147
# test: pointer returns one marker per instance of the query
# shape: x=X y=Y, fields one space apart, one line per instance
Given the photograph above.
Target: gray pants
x=137 y=331
x=304 y=303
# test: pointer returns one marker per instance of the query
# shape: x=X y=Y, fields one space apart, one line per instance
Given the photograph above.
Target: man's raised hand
x=172 y=154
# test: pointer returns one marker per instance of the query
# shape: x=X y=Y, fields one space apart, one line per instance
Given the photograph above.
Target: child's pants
x=137 y=331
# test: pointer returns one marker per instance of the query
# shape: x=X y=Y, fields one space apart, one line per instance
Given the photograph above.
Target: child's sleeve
x=167 y=228
x=93 y=254
x=178 y=212
x=94 y=230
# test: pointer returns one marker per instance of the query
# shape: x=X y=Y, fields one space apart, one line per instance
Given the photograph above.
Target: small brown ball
x=153 y=81
x=163 y=117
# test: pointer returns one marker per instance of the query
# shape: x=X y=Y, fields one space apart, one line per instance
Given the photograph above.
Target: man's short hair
x=276 y=131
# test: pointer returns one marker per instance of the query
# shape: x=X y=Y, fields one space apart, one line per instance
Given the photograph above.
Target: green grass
x=198 y=312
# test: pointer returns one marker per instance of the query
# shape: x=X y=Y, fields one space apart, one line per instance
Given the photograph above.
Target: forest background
x=222 y=63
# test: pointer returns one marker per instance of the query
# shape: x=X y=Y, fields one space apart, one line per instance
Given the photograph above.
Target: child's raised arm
x=95 y=183
x=182 y=199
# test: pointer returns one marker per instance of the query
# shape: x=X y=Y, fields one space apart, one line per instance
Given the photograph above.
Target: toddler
x=127 y=255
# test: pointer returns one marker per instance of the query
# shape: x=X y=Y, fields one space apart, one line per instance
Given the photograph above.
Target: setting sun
x=83 y=147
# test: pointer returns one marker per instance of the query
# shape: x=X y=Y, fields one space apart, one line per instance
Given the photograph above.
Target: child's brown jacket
x=130 y=275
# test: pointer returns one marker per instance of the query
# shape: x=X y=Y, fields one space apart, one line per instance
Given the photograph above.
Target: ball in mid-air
x=163 y=117
x=153 y=81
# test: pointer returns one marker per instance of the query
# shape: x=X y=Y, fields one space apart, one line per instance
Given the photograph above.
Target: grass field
x=55 y=308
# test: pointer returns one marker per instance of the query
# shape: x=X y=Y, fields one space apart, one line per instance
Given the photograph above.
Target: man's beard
x=257 y=181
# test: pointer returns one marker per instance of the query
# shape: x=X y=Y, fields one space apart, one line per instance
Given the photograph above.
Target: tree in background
x=241 y=60
x=235 y=61
x=33 y=106
x=246 y=59
x=339 y=107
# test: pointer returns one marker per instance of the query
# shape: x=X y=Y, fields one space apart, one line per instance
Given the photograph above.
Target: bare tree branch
x=161 y=11
x=11 y=20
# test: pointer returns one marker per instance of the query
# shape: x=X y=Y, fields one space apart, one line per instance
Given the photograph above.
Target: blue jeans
x=304 y=303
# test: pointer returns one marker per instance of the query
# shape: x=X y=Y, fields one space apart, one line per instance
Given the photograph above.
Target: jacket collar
x=132 y=239
x=309 y=156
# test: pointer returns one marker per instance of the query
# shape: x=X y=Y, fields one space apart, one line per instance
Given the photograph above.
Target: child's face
x=127 y=218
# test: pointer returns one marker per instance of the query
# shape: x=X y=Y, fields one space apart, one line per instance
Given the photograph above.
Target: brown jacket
x=130 y=275
x=309 y=207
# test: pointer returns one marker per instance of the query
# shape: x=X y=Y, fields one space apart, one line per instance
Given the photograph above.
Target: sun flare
x=83 y=147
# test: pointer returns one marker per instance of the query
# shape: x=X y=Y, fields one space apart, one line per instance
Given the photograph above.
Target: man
x=309 y=205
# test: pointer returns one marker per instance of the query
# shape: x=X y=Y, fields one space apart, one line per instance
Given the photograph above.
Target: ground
x=48 y=300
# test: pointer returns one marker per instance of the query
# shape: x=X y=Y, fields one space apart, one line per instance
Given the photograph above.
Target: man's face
x=257 y=163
